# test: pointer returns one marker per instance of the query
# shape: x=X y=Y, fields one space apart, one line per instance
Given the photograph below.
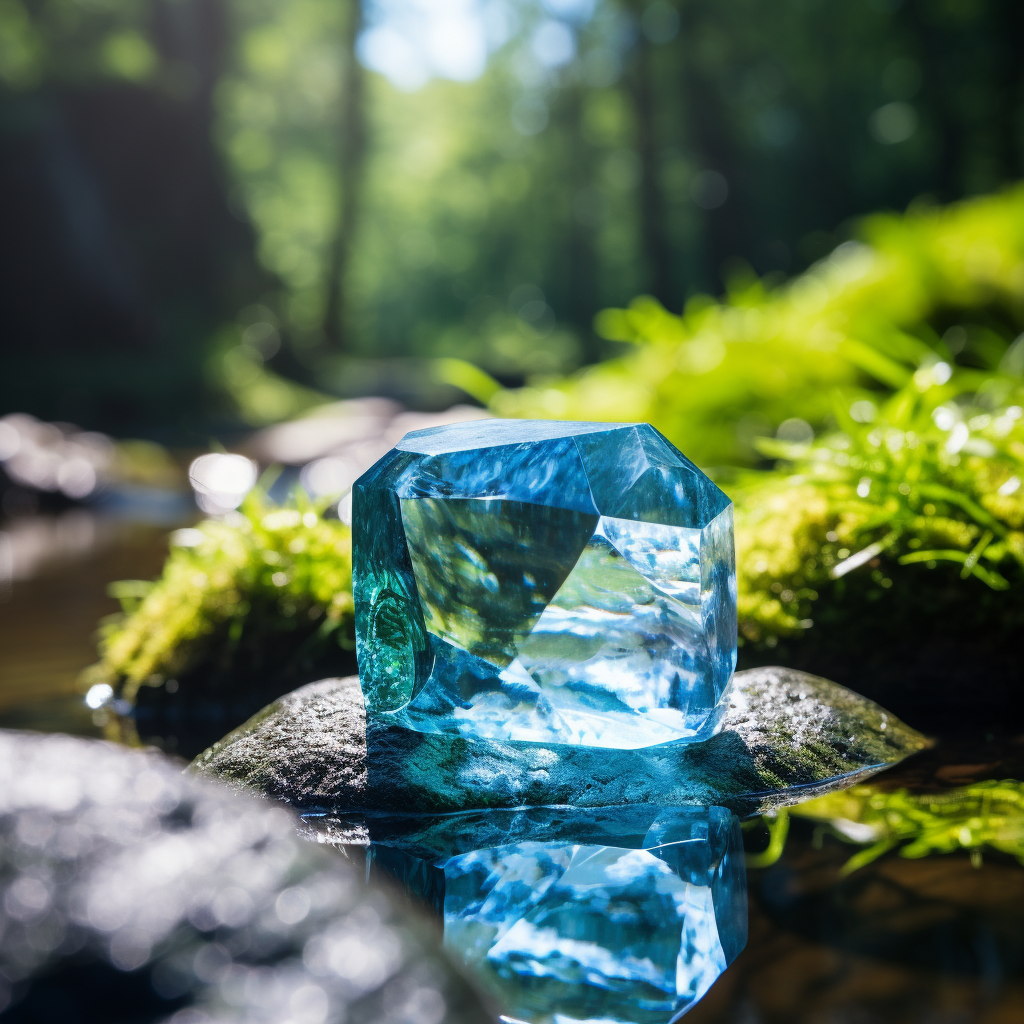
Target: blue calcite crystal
x=552 y=582
x=625 y=917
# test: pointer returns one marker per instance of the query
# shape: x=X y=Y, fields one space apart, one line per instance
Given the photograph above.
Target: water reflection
x=31 y=544
x=988 y=814
x=54 y=574
x=566 y=915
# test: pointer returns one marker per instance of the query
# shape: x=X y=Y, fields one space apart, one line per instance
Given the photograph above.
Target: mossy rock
x=786 y=736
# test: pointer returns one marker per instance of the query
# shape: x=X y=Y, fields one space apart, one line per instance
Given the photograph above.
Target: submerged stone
x=540 y=581
x=786 y=736
x=625 y=914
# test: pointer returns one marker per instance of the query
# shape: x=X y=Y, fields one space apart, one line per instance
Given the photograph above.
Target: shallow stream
x=930 y=939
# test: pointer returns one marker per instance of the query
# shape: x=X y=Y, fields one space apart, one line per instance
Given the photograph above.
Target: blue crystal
x=544 y=581
x=629 y=914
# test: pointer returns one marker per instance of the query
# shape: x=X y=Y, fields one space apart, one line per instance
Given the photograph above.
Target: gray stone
x=787 y=736
x=133 y=892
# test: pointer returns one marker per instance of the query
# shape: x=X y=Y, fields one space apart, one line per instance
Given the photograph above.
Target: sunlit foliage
x=928 y=480
x=938 y=285
x=73 y=42
x=278 y=126
x=759 y=132
x=658 y=147
x=446 y=262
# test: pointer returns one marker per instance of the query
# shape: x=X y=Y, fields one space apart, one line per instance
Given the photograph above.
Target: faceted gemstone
x=630 y=918
x=544 y=581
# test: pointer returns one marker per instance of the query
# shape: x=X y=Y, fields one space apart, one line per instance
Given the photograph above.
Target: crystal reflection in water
x=627 y=914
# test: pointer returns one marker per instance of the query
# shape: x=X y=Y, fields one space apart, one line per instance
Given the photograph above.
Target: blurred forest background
x=355 y=193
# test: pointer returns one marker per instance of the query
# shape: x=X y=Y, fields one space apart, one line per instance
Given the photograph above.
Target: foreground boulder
x=134 y=893
x=786 y=736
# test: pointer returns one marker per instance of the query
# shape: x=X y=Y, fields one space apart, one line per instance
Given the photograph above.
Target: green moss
x=264 y=576
x=934 y=480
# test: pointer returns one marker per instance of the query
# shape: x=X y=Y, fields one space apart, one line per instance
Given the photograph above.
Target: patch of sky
x=553 y=43
x=578 y=11
x=413 y=41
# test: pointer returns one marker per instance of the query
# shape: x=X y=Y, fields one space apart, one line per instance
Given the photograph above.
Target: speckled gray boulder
x=132 y=892
x=786 y=736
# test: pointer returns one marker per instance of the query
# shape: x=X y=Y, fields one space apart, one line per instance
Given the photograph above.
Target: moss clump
x=934 y=480
x=889 y=556
x=259 y=592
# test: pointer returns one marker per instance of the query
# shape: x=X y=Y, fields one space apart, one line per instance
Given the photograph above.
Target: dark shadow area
x=927 y=649
x=85 y=990
x=939 y=914
x=121 y=255
x=195 y=710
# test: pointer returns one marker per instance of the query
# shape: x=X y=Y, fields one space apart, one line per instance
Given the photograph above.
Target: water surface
x=936 y=940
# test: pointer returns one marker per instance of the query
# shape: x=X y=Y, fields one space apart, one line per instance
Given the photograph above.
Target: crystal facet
x=630 y=918
x=544 y=581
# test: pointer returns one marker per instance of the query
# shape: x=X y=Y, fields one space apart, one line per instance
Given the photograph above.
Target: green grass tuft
x=936 y=478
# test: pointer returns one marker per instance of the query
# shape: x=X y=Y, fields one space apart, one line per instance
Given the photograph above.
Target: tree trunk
x=352 y=136
x=1009 y=31
x=707 y=128
x=581 y=244
x=652 y=200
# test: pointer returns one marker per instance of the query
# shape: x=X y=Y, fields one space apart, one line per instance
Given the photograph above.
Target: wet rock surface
x=786 y=736
x=133 y=892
